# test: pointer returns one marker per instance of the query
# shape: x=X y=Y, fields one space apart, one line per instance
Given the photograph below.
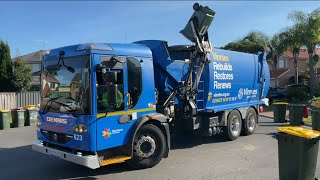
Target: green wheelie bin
x=279 y=112
x=31 y=114
x=296 y=114
x=18 y=117
x=4 y=119
x=297 y=153
x=315 y=118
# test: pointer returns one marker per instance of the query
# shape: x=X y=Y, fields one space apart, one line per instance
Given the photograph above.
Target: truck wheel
x=233 y=129
x=250 y=122
x=149 y=147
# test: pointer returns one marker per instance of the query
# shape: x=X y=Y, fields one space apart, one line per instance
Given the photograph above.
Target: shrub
x=298 y=94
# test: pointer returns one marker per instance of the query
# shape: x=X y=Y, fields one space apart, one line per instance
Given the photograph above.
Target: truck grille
x=57 y=137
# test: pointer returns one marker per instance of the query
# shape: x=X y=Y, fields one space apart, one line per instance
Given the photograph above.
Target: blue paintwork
x=246 y=72
x=93 y=139
x=161 y=72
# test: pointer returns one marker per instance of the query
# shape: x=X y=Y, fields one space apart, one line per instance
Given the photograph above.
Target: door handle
x=129 y=99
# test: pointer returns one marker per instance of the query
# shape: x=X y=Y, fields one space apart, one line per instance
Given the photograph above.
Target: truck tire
x=149 y=147
x=250 y=122
x=233 y=129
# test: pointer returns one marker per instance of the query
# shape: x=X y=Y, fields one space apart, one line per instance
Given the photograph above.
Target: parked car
x=276 y=94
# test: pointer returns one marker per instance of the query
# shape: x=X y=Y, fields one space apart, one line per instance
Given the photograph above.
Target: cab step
x=114 y=160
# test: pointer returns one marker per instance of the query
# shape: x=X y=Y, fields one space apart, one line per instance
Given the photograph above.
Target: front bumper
x=90 y=161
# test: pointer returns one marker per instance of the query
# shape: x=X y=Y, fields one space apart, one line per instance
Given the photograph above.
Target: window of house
x=35 y=67
x=52 y=85
x=134 y=80
x=282 y=63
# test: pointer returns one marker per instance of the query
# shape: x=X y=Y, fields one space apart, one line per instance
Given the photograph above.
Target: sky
x=31 y=26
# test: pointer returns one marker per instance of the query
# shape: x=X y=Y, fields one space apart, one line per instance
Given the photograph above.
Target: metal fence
x=11 y=100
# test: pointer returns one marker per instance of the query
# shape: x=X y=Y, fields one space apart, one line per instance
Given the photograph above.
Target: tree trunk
x=295 y=68
x=311 y=71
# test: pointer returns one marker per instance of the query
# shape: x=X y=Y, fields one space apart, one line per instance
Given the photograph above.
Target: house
x=33 y=60
x=284 y=74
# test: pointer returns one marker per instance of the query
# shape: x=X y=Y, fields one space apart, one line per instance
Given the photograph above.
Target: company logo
x=106 y=133
x=57 y=120
x=240 y=93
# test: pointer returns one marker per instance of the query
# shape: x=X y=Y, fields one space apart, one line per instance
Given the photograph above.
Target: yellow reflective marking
x=100 y=115
x=114 y=160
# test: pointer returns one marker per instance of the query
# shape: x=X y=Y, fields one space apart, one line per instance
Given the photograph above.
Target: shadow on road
x=23 y=163
x=274 y=124
x=189 y=141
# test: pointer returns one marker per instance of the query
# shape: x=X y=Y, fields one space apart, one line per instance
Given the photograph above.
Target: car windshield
x=65 y=90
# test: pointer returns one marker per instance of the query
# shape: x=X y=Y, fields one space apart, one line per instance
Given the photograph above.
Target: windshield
x=65 y=90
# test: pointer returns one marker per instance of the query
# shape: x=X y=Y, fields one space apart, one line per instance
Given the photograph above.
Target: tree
x=5 y=67
x=22 y=76
x=292 y=41
x=310 y=35
x=244 y=46
x=276 y=48
x=259 y=38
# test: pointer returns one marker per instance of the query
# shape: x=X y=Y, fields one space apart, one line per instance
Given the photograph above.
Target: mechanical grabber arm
x=196 y=31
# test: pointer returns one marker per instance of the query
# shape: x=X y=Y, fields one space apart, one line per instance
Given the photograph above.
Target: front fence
x=11 y=100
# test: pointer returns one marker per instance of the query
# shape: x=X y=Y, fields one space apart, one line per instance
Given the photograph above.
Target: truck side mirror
x=98 y=68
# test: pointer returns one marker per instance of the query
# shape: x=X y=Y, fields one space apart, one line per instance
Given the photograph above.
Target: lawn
x=307 y=120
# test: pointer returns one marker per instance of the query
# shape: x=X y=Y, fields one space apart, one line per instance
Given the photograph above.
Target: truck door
x=111 y=102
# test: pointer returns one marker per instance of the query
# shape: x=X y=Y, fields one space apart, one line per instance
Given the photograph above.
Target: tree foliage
x=259 y=38
x=22 y=76
x=14 y=76
x=5 y=67
x=276 y=48
x=244 y=46
x=310 y=36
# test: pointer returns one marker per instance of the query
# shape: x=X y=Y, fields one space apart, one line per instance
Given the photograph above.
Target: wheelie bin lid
x=280 y=103
x=300 y=132
x=4 y=110
x=31 y=106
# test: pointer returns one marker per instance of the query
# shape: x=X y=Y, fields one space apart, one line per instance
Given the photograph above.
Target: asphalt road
x=250 y=157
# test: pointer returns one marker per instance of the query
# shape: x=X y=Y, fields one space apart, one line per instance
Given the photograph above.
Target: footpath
x=269 y=114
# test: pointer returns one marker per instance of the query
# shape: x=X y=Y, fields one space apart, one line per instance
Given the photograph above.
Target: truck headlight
x=38 y=122
x=80 y=128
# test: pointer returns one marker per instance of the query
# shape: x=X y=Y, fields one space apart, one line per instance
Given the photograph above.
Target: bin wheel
x=149 y=147
x=250 y=122
x=233 y=129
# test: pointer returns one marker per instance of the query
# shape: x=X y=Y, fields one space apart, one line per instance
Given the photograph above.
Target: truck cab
x=94 y=96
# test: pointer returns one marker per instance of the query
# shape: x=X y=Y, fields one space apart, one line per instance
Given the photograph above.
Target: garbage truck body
x=106 y=103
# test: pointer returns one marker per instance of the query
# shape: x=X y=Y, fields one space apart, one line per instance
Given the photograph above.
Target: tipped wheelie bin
x=18 y=117
x=279 y=112
x=298 y=152
x=4 y=119
x=296 y=114
x=31 y=114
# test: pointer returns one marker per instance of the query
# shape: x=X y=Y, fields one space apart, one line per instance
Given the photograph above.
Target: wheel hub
x=251 y=122
x=235 y=125
x=145 y=146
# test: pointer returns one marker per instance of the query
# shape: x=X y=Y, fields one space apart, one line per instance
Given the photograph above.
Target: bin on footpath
x=297 y=153
x=296 y=114
x=18 y=117
x=315 y=118
x=4 y=119
x=279 y=112
x=31 y=114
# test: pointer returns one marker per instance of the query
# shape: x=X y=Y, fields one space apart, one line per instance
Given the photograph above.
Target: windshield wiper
x=46 y=107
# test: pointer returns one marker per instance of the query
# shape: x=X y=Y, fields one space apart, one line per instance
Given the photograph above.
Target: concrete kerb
x=270 y=117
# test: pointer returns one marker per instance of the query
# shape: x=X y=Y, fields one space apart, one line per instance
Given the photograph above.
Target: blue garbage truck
x=106 y=103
